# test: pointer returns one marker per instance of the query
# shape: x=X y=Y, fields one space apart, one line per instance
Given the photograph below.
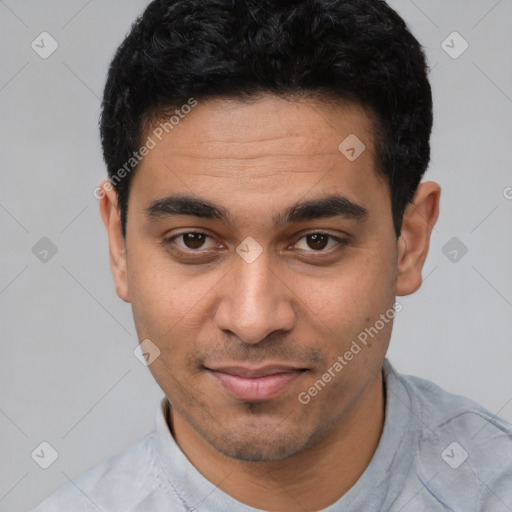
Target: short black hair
x=352 y=50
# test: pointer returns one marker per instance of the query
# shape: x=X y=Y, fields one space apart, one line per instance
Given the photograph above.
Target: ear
x=419 y=219
x=116 y=242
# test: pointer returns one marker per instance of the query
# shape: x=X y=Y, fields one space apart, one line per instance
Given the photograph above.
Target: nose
x=255 y=301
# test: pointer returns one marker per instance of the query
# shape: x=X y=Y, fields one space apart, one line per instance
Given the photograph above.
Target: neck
x=312 y=480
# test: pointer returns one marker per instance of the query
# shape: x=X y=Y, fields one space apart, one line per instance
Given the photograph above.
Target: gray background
x=68 y=375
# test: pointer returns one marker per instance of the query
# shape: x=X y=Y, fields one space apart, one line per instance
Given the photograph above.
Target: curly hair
x=351 y=50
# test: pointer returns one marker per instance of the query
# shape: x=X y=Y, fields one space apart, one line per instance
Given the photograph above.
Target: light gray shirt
x=437 y=452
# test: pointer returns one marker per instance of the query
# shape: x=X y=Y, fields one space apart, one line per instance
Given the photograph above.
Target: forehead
x=266 y=121
x=268 y=149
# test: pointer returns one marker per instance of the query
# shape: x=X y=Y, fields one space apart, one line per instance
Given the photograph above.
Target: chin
x=261 y=451
x=256 y=444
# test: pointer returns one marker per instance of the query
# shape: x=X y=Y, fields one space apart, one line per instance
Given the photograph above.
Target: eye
x=319 y=242
x=191 y=241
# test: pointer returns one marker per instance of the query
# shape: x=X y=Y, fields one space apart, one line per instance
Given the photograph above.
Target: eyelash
x=341 y=243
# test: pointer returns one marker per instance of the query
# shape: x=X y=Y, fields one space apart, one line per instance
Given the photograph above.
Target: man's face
x=244 y=335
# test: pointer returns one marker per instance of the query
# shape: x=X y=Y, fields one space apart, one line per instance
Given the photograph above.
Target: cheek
x=350 y=306
x=354 y=293
x=167 y=309
x=158 y=298
x=168 y=304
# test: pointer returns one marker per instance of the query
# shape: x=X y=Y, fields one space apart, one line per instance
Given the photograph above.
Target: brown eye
x=193 y=247
x=320 y=242
x=317 y=241
x=193 y=240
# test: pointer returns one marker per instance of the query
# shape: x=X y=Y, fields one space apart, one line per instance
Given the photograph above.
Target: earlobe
x=116 y=242
x=418 y=222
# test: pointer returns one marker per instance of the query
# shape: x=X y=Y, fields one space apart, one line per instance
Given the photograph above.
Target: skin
x=296 y=304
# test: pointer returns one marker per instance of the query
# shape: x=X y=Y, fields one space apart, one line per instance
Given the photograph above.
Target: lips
x=256 y=384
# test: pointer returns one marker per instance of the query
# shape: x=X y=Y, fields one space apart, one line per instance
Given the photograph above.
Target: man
x=264 y=209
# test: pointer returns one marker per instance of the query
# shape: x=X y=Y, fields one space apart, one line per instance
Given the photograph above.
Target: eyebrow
x=326 y=207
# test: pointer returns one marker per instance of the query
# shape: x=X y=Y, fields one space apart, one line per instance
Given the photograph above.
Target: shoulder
x=122 y=482
x=464 y=451
x=442 y=411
